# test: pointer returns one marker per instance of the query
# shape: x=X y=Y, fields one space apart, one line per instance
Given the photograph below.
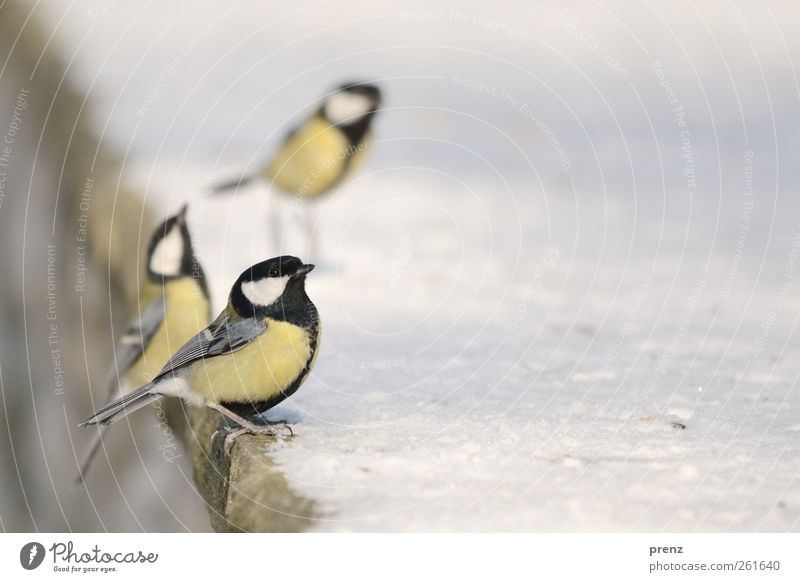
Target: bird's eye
x=274 y=272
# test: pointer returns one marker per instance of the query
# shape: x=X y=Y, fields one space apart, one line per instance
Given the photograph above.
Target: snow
x=467 y=421
x=555 y=302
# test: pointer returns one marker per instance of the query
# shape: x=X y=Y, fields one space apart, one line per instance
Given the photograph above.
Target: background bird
x=321 y=153
x=174 y=305
x=256 y=353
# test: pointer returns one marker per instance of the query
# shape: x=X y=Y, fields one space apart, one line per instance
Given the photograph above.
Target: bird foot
x=232 y=433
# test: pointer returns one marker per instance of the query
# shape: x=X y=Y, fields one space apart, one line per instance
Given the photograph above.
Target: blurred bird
x=256 y=353
x=174 y=305
x=322 y=152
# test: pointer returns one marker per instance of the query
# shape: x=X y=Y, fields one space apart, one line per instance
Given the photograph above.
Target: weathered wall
x=70 y=241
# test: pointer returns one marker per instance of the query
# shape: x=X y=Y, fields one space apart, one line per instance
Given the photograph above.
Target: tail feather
x=112 y=382
x=90 y=454
x=123 y=406
x=233 y=184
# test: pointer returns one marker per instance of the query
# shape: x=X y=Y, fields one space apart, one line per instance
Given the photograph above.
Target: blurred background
x=561 y=293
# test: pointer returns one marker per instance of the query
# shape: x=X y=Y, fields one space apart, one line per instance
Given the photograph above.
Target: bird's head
x=270 y=285
x=351 y=103
x=170 y=253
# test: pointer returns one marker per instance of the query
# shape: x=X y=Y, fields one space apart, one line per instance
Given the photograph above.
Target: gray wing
x=221 y=337
x=136 y=339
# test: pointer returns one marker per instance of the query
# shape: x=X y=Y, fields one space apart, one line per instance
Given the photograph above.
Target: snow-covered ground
x=562 y=293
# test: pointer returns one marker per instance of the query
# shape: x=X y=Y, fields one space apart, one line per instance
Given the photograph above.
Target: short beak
x=182 y=213
x=304 y=270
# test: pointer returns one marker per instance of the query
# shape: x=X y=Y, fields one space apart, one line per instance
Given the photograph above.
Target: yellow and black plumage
x=256 y=353
x=318 y=155
x=173 y=306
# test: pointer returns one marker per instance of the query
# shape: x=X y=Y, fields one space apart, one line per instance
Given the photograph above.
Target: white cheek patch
x=167 y=258
x=346 y=108
x=265 y=291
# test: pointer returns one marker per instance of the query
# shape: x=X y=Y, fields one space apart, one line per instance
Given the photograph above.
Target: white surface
x=547 y=262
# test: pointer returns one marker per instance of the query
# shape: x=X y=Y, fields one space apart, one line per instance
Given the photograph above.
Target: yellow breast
x=312 y=161
x=186 y=315
x=359 y=154
x=262 y=369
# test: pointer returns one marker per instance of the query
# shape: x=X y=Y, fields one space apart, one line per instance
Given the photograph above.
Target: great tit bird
x=256 y=353
x=174 y=305
x=323 y=151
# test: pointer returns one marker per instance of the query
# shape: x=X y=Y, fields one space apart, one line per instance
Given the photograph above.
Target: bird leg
x=245 y=426
x=310 y=224
x=276 y=222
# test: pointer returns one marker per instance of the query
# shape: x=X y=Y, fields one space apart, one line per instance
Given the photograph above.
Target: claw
x=231 y=433
x=283 y=424
x=231 y=437
x=219 y=433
